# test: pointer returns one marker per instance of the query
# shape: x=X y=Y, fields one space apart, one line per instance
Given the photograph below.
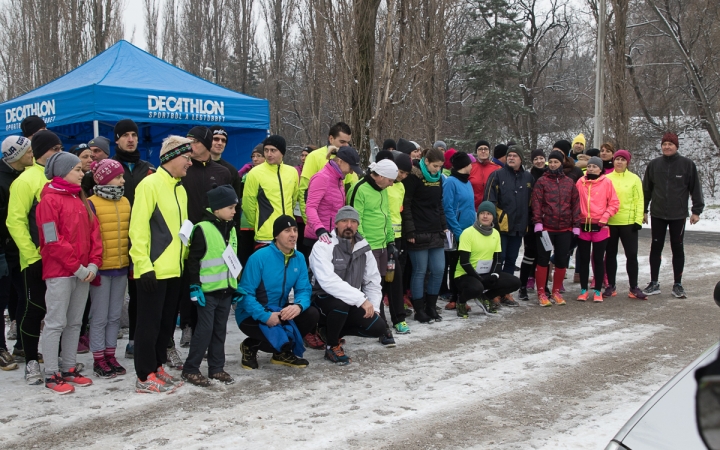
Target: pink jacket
x=598 y=200
x=325 y=196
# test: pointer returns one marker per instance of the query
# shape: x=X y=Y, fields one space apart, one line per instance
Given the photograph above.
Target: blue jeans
x=422 y=260
x=510 y=250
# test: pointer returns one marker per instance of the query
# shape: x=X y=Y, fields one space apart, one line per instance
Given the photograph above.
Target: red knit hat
x=105 y=170
x=623 y=154
x=448 y=155
x=670 y=137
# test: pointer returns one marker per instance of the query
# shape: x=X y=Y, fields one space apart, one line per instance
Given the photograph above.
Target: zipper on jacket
x=180 y=221
x=282 y=195
x=284 y=272
x=117 y=214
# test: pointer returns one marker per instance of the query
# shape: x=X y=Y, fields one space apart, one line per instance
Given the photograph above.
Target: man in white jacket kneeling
x=346 y=286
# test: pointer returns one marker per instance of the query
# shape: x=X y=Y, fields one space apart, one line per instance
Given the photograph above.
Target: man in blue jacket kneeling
x=273 y=322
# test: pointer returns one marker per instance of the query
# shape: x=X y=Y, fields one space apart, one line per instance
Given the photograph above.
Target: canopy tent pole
x=96 y=129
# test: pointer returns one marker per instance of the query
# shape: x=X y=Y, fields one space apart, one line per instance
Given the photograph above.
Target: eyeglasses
x=187 y=157
x=483 y=149
x=219 y=139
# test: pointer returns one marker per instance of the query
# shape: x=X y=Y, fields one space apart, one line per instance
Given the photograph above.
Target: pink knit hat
x=449 y=154
x=623 y=153
x=105 y=170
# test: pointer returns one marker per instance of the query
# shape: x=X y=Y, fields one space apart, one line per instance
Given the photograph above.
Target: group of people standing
x=305 y=255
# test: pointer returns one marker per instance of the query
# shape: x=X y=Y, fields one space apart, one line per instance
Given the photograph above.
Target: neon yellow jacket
x=396 y=195
x=21 y=223
x=628 y=187
x=315 y=161
x=159 y=210
x=270 y=191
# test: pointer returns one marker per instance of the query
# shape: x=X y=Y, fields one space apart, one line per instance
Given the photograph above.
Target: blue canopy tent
x=127 y=82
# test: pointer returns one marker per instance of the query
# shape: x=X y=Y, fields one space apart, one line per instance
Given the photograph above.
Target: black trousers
x=451 y=260
x=15 y=290
x=396 y=290
x=156 y=316
x=246 y=245
x=677 y=233
x=132 y=308
x=628 y=235
x=341 y=319
x=306 y=321
x=29 y=324
x=562 y=242
x=210 y=333
x=187 y=308
x=470 y=287
x=597 y=250
x=527 y=267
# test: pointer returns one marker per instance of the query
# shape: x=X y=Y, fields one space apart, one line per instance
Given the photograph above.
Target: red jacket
x=78 y=237
x=555 y=202
x=479 y=175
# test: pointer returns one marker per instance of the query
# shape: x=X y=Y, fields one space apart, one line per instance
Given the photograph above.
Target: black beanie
x=592 y=152
x=276 y=141
x=43 y=141
x=535 y=153
x=499 y=151
x=482 y=142
x=202 y=135
x=405 y=146
x=31 y=125
x=460 y=160
x=403 y=162
x=389 y=144
x=556 y=154
x=217 y=130
x=124 y=126
x=563 y=145
x=282 y=223
x=221 y=196
x=384 y=154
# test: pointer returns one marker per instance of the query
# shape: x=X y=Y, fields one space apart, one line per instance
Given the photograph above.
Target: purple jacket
x=325 y=196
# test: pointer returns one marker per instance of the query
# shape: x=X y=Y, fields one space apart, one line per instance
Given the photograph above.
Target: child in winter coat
x=108 y=290
x=598 y=202
x=212 y=286
x=71 y=251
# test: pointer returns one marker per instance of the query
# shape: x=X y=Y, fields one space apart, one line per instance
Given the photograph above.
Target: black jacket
x=668 y=184
x=198 y=246
x=537 y=173
x=237 y=185
x=423 y=216
x=7 y=176
x=200 y=178
x=511 y=192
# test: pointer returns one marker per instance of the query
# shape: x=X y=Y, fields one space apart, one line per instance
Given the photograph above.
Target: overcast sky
x=134 y=16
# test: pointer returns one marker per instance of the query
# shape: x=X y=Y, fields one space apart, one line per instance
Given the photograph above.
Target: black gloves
x=392 y=251
x=148 y=281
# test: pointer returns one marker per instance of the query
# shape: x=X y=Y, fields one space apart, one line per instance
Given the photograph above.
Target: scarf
x=335 y=166
x=557 y=172
x=60 y=183
x=485 y=231
x=127 y=157
x=429 y=178
x=109 y=192
x=608 y=165
x=464 y=177
x=592 y=177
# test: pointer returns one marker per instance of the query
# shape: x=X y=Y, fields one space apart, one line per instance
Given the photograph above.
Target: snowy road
x=530 y=377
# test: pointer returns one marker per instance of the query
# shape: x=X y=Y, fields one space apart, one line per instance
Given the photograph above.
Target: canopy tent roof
x=127 y=82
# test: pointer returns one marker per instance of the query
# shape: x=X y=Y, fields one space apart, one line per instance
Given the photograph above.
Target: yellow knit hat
x=579 y=138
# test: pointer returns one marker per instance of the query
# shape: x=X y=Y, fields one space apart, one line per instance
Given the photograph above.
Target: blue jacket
x=267 y=280
x=459 y=204
x=281 y=335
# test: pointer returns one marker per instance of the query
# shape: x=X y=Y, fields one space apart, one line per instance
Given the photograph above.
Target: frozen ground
x=541 y=378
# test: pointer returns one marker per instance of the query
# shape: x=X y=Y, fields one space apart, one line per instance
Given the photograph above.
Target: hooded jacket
x=270 y=191
x=21 y=220
x=598 y=200
x=510 y=190
x=423 y=215
x=69 y=237
x=628 y=188
x=325 y=196
x=201 y=177
x=479 y=175
x=669 y=182
x=314 y=162
x=373 y=206
x=458 y=203
x=556 y=203
x=267 y=279
x=159 y=211
x=346 y=270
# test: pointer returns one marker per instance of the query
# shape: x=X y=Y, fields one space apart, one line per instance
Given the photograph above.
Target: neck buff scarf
x=464 y=177
x=60 y=183
x=485 y=231
x=430 y=178
x=109 y=192
x=592 y=176
x=127 y=157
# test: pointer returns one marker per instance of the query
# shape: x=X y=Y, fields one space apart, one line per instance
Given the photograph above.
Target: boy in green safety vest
x=210 y=270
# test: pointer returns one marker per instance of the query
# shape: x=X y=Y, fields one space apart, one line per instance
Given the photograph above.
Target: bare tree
x=152 y=15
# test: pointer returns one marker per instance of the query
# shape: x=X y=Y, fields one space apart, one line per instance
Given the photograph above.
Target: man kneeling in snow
x=346 y=286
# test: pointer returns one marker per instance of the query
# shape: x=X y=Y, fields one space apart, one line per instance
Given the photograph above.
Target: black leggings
x=677 y=232
x=470 y=287
x=583 y=262
x=342 y=319
x=306 y=321
x=628 y=235
x=396 y=300
x=29 y=323
x=527 y=267
x=562 y=241
x=132 y=307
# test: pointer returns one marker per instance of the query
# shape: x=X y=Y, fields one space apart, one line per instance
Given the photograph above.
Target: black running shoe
x=523 y=294
x=103 y=370
x=249 y=356
x=678 y=291
x=287 y=358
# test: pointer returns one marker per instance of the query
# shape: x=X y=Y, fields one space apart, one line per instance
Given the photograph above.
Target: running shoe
x=33 y=375
x=653 y=288
x=313 y=340
x=83 y=344
x=584 y=294
x=7 y=362
x=610 y=291
x=102 y=369
x=115 y=365
x=287 y=358
x=174 y=359
x=186 y=337
x=75 y=377
x=387 y=339
x=462 y=310
x=508 y=300
x=637 y=293
x=222 y=377
x=557 y=298
x=152 y=385
x=249 y=356
x=450 y=306
x=12 y=331
x=543 y=299
x=530 y=285
x=337 y=355
x=523 y=294
x=678 y=291
x=57 y=384
x=130 y=350
x=597 y=297
x=402 y=328
x=168 y=379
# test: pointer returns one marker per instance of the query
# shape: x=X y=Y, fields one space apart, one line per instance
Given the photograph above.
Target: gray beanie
x=60 y=164
x=347 y=212
x=440 y=144
x=596 y=161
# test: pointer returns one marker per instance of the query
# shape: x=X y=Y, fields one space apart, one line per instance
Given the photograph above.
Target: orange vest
x=114 y=218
